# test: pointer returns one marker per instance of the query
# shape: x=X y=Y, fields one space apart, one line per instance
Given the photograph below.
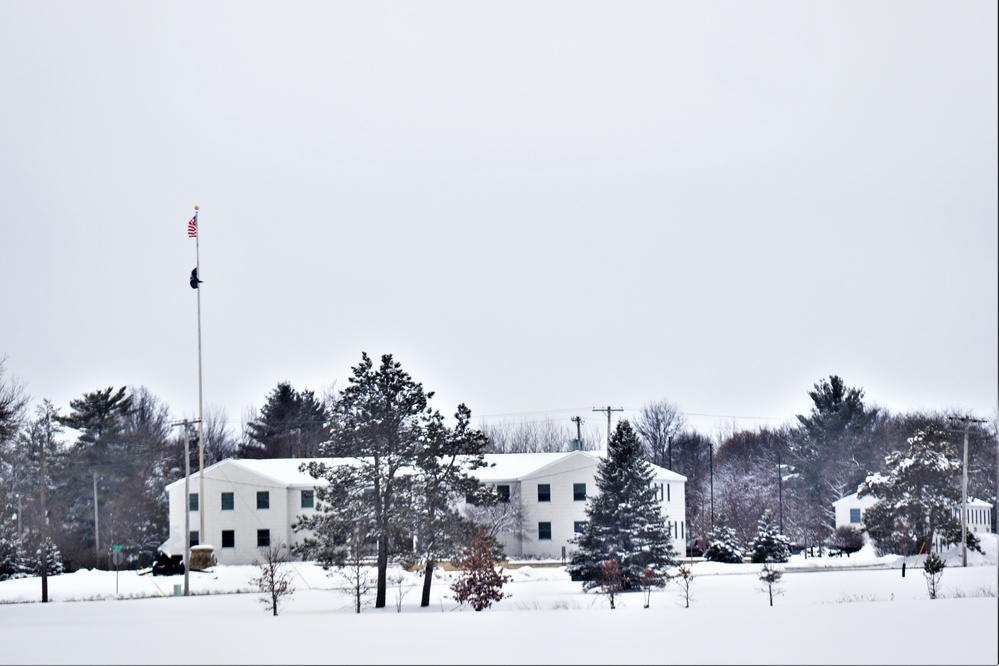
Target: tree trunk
x=383 y=544
x=428 y=578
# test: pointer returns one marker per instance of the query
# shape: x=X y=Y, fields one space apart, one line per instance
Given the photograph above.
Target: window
x=228 y=502
x=263 y=538
x=263 y=499
x=578 y=526
x=855 y=516
x=579 y=492
x=308 y=499
x=681 y=530
x=503 y=492
x=544 y=492
x=470 y=499
x=228 y=539
x=544 y=531
x=667 y=492
x=192 y=501
x=195 y=538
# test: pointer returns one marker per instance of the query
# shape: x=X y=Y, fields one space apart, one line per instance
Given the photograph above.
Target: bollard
x=903 y=568
x=179 y=590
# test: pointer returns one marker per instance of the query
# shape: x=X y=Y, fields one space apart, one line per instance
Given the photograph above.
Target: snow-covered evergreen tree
x=32 y=566
x=917 y=497
x=723 y=546
x=9 y=545
x=769 y=545
x=624 y=518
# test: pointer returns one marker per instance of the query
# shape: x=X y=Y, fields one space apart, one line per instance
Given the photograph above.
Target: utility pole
x=608 y=409
x=578 y=420
x=780 y=491
x=45 y=513
x=187 y=500
x=711 y=477
x=967 y=420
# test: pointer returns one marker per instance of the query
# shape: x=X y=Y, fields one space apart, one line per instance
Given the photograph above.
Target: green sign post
x=116 y=557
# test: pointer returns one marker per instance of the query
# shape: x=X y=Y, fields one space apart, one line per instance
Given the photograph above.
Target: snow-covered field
x=830 y=611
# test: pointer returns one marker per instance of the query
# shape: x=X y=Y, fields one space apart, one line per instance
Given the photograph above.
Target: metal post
x=187 y=509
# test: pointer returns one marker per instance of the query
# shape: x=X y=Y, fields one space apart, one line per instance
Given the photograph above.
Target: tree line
x=105 y=485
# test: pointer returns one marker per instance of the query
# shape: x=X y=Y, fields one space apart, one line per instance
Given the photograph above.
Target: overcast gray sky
x=537 y=207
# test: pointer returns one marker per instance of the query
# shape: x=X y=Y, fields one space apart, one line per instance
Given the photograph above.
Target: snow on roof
x=511 y=466
x=500 y=467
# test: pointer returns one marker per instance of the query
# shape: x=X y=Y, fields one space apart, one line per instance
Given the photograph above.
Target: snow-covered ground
x=830 y=611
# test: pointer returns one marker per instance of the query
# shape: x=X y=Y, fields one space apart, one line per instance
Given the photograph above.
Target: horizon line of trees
x=106 y=486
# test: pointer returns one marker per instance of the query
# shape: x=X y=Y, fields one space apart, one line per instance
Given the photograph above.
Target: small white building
x=850 y=511
x=250 y=504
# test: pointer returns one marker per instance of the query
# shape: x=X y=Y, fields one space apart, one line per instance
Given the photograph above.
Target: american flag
x=192 y=227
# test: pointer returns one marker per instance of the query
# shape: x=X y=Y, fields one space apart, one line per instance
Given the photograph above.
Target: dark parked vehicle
x=696 y=547
x=168 y=565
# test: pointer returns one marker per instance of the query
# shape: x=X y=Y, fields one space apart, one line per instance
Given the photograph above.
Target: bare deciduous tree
x=656 y=425
x=274 y=580
x=539 y=436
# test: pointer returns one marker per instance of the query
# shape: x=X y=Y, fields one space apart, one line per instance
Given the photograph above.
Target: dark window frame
x=228 y=501
x=546 y=494
x=228 y=538
x=544 y=531
x=579 y=492
x=263 y=499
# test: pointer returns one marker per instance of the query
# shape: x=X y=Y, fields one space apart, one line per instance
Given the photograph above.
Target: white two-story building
x=252 y=504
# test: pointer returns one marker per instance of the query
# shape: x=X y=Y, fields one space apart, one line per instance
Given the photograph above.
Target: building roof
x=500 y=467
x=852 y=497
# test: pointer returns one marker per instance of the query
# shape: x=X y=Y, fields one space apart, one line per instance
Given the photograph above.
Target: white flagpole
x=201 y=420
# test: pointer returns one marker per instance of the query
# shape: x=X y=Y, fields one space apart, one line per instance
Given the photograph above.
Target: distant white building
x=250 y=504
x=850 y=511
x=552 y=488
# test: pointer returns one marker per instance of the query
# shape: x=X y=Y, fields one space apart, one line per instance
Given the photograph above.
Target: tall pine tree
x=624 y=519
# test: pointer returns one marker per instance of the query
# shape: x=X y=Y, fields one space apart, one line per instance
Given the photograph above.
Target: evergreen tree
x=917 y=497
x=933 y=568
x=480 y=583
x=379 y=420
x=769 y=545
x=290 y=425
x=10 y=544
x=770 y=577
x=723 y=546
x=31 y=560
x=442 y=476
x=831 y=453
x=624 y=518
